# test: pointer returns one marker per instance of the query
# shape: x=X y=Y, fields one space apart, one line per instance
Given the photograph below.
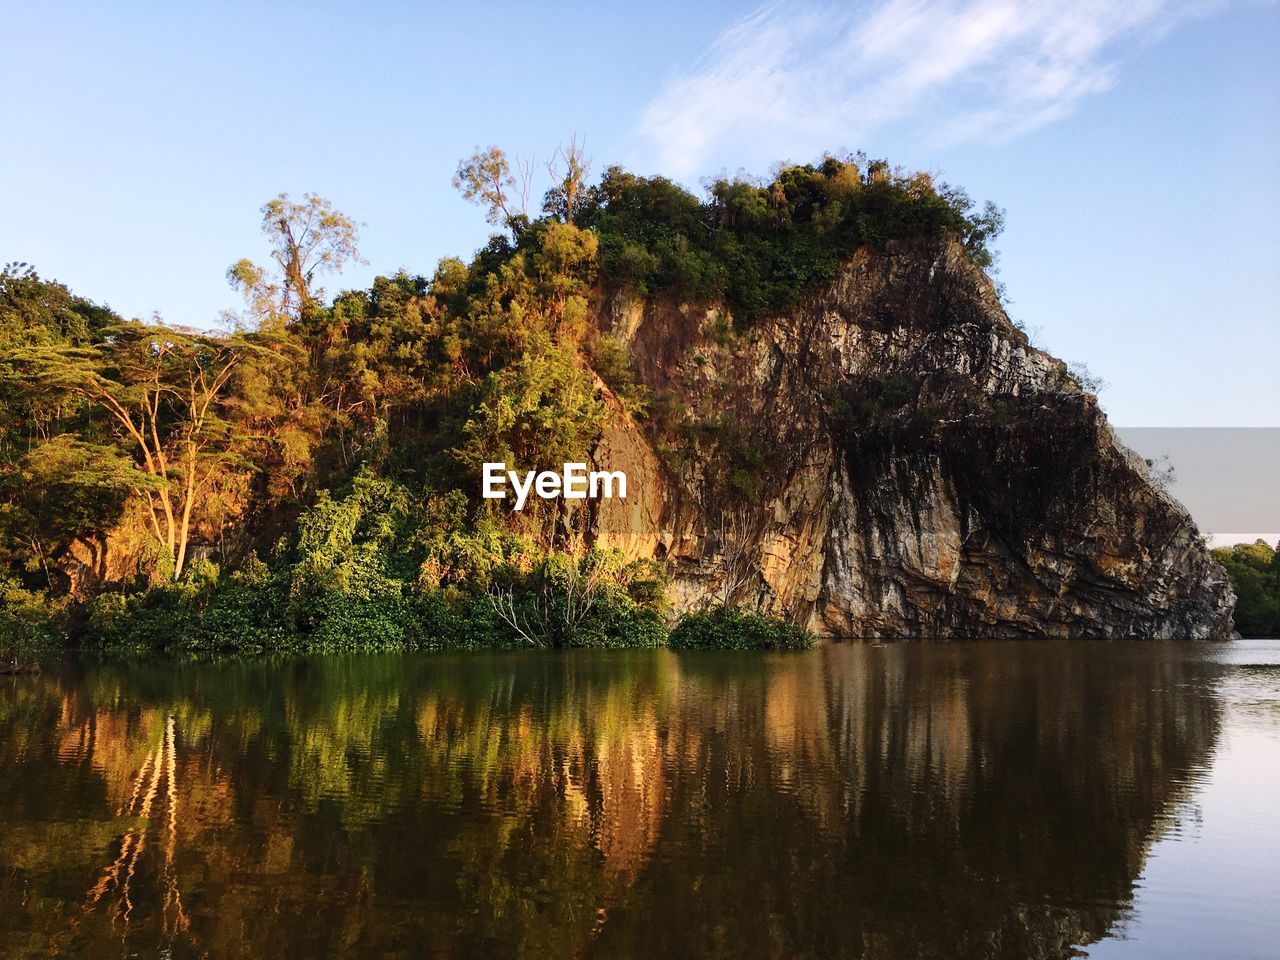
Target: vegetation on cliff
x=310 y=475
x=1254 y=569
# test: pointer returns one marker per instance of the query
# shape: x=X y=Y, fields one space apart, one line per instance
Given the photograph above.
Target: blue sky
x=1135 y=146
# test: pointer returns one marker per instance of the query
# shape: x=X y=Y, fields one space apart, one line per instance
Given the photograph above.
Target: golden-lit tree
x=307 y=238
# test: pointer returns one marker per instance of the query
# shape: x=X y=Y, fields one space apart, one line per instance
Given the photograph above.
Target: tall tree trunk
x=188 y=500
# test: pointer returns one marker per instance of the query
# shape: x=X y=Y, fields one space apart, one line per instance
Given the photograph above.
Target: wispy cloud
x=794 y=78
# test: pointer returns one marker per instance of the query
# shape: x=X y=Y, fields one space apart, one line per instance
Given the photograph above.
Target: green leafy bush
x=596 y=600
x=161 y=618
x=248 y=611
x=761 y=246
x=28 y=618
x=734 y=629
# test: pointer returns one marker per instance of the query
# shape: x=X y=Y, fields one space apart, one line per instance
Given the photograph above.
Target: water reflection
x=920 y=801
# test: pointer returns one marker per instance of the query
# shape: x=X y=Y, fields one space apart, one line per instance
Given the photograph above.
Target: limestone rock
x=894 y=459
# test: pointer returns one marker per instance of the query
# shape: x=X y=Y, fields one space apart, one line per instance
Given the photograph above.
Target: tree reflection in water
x=159 y=765
x=916 y=801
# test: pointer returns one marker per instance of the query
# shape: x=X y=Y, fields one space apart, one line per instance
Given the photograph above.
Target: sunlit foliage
x=312 y=475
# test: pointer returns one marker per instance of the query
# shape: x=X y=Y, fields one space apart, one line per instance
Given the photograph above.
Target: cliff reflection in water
x=922 y=801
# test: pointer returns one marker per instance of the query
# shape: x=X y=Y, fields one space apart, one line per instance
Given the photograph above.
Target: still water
x=941 y=801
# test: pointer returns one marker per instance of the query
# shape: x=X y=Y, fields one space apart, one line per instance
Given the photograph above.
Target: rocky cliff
x=894 y=459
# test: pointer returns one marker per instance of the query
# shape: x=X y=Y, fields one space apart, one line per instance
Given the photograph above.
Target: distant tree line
x=1254 y=569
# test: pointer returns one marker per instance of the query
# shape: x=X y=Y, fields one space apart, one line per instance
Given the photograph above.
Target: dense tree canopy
x=1254 y=569
x=761 y=246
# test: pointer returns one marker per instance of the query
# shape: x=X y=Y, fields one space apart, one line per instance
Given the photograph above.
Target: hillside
x=823 y=412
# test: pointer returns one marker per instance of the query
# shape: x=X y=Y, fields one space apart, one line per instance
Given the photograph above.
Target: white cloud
x=792 y=79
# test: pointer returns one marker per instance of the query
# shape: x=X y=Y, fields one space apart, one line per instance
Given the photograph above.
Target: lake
x=937 y=801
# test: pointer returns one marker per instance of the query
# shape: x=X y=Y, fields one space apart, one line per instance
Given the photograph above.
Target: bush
x=760 y=247
x=733 y=629
x=638 y=629
x=597 y=600
x=247 y=612
x=161 y=618
x=28 y=618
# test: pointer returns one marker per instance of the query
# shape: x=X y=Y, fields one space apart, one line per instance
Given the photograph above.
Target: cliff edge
x=894 y=459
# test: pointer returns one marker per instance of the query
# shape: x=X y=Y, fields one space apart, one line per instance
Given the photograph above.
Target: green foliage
x=36 y=311
x=27 y=617
x=340 y=620
x=247 y=611
x=610 y=358
x=349 y=546
x=307 y=238
x=593 y=600
x=721 y=628
x=379 y=568
x=542 y=409
x=485 y=179
x=1254 y=570
x=870 y=403
x=1077 y=376
x=762 y=246
x=328 y=454
x=738 y=463
x=163 y=618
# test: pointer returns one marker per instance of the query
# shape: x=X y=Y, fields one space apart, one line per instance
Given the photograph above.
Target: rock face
x=894 y=460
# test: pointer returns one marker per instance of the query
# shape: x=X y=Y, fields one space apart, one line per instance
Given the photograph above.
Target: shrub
x=762 y=246
x=28 y=618
x=727 y=628
x=158 y=619
x=247 y=612
x=597 y=600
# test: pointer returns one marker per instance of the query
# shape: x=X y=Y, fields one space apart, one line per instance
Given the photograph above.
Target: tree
x=61 y=481
x=569 y=169
x=540 y=409
x=485 y=179
x=64 y=491
x=34 y=310
x=307 y=239
x=1255 y=576
x=161 y=389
